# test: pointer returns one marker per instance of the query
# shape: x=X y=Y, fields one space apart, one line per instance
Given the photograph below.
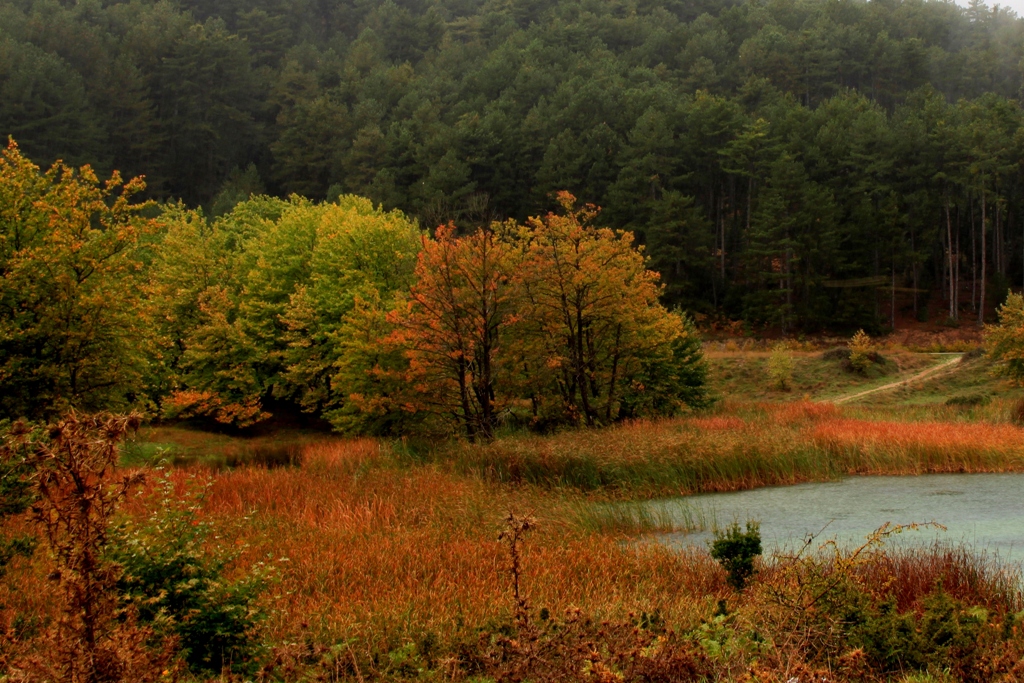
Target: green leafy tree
x=70 y=269
x=260 y=298
x=362 y=254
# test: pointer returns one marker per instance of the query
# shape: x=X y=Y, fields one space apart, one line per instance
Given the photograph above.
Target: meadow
x=384 y=560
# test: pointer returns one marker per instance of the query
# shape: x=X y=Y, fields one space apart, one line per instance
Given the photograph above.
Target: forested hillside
x=798 y=163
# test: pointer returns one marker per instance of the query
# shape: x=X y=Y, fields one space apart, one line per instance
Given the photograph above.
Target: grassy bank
x=743 y=447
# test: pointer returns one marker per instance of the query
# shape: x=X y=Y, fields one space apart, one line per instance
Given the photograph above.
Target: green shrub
x=968 y=400
x=922 y=313
x=780 y=367
x=841 y=353
x=15 y=497
x=944 y=636
x=735 y=549
x=973 y=354
x=177 y=584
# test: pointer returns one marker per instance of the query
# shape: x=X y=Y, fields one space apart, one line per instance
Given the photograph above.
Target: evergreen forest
x=798 y=164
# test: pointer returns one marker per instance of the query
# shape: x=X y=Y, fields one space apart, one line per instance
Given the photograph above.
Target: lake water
x=984 y=511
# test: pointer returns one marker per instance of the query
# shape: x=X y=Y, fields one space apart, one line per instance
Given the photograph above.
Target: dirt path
x=903 y=382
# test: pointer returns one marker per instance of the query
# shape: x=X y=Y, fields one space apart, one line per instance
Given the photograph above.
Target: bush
x=77 y=491
x=1005 y=341
x=943 y=637
x=780 y=367
x=973 y=354
x=861 y=352
x=1017 y=412
x=968 y=400
x=178 y=585
x=735 y=549
x=839 y=353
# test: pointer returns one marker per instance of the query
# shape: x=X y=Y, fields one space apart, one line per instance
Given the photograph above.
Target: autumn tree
x=454 y=327
x=70 y=333
x=591 y=318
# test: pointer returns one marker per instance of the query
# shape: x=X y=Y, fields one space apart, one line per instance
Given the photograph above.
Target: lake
x=984 y=511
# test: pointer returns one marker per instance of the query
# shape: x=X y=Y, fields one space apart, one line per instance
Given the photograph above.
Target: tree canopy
x=773 y=156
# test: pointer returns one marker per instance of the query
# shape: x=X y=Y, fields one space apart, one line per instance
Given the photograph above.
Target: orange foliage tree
x=556 y=317
x=453 y=325
x=591 y=312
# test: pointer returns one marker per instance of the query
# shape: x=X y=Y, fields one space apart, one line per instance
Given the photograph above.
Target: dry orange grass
x=800 y=411
x=716 y=423
x=383 y=553
x=910 y=575
x=370 y=550
x=914 y=447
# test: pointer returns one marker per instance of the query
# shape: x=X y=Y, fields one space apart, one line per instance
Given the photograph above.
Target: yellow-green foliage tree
x=209 y=362
x=70 y=268
x=780 y=366
x=259 y=301
x=361 y=254
x=1005 y=341
x=861 y=350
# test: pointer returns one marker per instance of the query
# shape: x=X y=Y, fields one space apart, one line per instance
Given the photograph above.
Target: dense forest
x=801 y=164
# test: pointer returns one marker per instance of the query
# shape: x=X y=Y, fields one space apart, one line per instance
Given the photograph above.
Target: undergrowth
x=396 y=571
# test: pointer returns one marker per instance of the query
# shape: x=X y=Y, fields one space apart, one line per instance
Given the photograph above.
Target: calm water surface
x=984 y=511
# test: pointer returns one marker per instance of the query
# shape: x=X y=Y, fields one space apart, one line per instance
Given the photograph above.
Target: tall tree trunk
x=750 y=195
x=893 y=298
x=949 y=259
x=467 y=411
x=995 y=257
x=789 y=289
x=913 y=265
x=878 y=311
x=581 y=370
x=981 y=293
x=956 y=288
x=721 y=227
x=615 y=375
x=974 y=262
